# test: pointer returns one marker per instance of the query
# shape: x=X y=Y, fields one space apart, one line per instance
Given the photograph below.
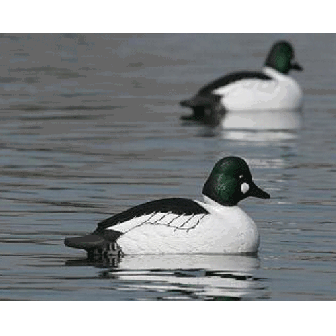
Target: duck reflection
x=259 y=137
x=111 y=261
x=254 y=126
x=263 y=120
x=184 y=277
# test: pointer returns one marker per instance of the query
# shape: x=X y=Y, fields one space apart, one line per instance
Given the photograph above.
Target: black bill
x=296 y=66
x=255 y=191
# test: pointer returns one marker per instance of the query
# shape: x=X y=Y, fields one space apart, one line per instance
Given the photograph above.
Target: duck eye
x=244 y=188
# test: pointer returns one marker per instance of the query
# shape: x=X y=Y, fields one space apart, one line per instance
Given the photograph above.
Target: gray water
x=90 y=127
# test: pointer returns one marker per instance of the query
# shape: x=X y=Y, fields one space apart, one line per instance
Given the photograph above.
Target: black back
x=178 y=206
x=231 y=78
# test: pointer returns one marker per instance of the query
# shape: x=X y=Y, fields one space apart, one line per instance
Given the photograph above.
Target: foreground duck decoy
x=180 y=225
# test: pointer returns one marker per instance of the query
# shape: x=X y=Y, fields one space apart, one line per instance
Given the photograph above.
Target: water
x=90 y=126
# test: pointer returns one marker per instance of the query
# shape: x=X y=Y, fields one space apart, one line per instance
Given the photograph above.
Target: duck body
x=278 y=92
x=183 y=226
x=216 y=229
x=270 y=89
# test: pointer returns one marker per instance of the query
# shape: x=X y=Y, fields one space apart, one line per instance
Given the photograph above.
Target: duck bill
x=296 y=66
x=255 y=191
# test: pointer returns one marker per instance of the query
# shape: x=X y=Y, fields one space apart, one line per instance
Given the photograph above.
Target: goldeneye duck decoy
x=180 y=225
x=268 y=89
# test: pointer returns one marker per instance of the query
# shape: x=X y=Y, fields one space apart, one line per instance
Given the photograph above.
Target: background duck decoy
x=266 y=90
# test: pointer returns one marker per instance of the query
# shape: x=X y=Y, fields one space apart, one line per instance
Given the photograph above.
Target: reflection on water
x=256 y=126
x=181 y=277
x=263 y=120
x=262 y=137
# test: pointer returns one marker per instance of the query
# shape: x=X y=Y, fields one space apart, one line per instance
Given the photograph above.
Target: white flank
x=280 y=93
x=225 y=230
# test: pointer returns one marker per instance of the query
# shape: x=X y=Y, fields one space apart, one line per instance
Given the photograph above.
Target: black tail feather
x=96 y=246
x=200 y=101
x=87 y=242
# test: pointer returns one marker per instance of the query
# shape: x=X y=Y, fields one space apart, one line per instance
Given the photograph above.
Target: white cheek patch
x=244 y=188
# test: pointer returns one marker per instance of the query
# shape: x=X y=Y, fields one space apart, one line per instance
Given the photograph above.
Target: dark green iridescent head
x=281 y=58
x=230 y=182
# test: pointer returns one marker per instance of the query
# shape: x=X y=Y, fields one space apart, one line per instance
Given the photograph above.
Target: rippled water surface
x=90 y=125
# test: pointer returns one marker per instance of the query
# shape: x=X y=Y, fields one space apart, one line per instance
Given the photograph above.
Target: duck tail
x=193 y=102
x=86 y=242
x=186 y=103
x=201 y=101
x=95 y=245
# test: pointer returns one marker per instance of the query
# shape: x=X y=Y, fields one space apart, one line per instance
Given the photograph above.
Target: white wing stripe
x=178 y=222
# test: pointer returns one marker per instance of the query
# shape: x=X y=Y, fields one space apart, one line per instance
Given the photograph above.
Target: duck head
x=281 y=58
x=230 y=182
